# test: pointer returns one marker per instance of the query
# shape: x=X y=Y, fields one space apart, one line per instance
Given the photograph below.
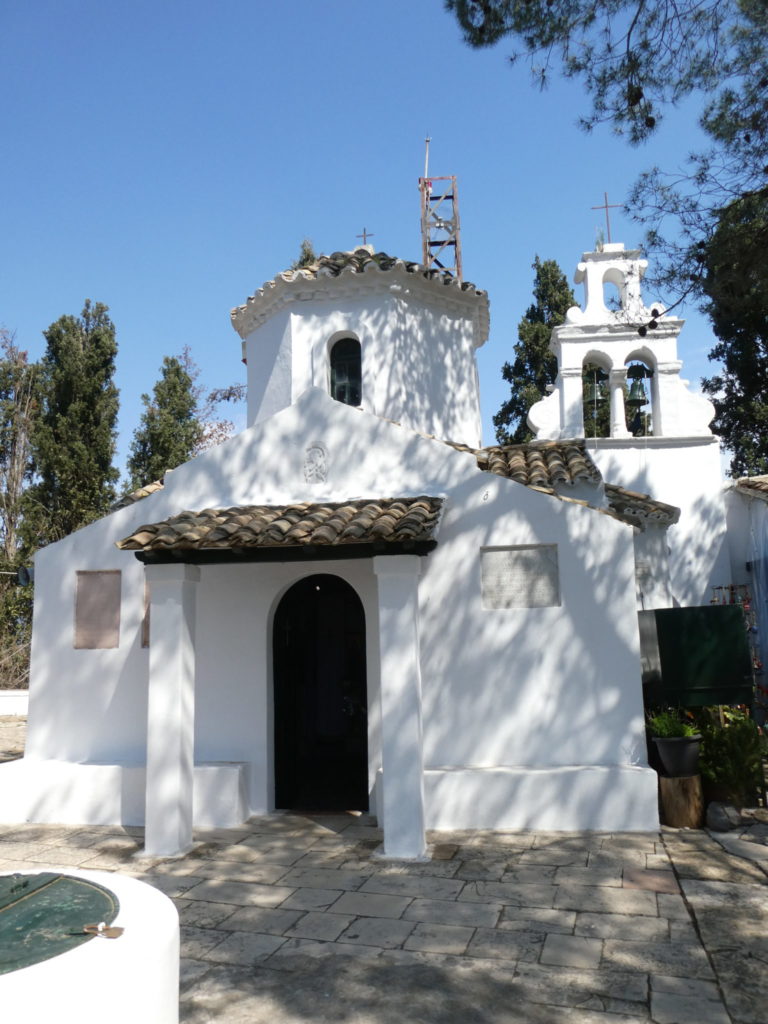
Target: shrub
x=731 y=754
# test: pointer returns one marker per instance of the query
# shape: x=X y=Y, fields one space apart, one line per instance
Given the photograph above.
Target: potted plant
x=677 y=741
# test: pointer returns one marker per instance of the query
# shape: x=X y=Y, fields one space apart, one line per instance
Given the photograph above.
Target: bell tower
x=654 y=435
x=629 y=343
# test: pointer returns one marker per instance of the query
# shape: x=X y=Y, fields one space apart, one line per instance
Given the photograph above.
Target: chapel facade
x=352 y=604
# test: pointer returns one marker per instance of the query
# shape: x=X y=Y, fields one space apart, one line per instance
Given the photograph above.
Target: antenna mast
x=440 y=230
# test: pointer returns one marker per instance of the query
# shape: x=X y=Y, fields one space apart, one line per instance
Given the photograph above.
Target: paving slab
x=422 y=886
x=572 y=951
x=670 y=1009
x=440 y=938
x=629 y=927
x=606 y=898
x=509 y=893
x=322 y=878
x=748 y=848
x=290 y=918
x=242 y=894
x=570 y=987
x=537 y=919
x=742 y=981
x=323 y=926
x=506 y=945
x=650 y=880
x=260 y=919
x=453 y=912
x=200 y=914
x=244 y=948
x=686 y=961
x=378 y=931
x=369 y=904
x=311 y=899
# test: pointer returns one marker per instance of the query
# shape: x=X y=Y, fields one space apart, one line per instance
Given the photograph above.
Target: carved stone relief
x=316 y=463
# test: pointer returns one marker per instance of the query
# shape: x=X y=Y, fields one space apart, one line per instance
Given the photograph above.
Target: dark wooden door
x=320 y=697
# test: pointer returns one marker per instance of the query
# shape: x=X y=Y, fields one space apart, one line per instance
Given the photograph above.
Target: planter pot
x=679 y=755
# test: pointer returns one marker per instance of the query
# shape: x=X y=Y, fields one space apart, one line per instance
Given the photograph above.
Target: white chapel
x=353 y=605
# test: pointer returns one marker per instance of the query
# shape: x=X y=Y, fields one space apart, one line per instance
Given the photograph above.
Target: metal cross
x=608 y=206
x=365 y=236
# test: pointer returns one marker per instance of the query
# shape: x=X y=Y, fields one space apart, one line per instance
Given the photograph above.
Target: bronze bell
x=637 y=396
x=593 y=392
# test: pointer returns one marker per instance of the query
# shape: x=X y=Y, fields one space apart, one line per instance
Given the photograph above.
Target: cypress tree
x=73 y=439
x=534 y=366
x=170 y=431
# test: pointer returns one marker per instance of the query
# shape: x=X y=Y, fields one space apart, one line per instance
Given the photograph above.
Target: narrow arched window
x=346 y=379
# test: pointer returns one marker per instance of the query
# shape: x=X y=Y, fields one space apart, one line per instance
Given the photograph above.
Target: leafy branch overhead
x=706 y=215
x=634 y=57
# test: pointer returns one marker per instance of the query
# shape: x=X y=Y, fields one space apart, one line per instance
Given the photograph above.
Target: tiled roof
x=358 y=265
x=359 y=260
x=639 y=509
x=365 y=521
x=137 y=495
x=545 y=465
x=540 y=463
x=753 y=486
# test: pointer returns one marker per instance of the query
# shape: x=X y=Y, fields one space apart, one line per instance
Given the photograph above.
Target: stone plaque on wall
x=520 y=577
x=97 y=610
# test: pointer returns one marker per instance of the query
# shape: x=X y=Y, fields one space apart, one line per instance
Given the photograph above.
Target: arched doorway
x=321 y=708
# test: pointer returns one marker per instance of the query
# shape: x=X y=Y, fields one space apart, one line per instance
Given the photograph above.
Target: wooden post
x=682 y=801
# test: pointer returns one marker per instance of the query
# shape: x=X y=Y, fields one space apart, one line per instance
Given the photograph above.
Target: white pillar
x=401 y=733
x=171 y=709
x=617 y=380
x=571 y=402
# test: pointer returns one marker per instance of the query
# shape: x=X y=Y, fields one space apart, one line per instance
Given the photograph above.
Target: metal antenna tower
x=440 y=230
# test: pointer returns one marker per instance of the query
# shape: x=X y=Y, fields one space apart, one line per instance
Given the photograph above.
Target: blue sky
x=167 y=158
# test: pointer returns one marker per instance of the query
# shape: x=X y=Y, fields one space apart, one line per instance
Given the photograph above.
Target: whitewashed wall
x=532 y=692
x=684 y=472
x=414 y=355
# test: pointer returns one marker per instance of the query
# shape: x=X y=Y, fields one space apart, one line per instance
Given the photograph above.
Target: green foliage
x=735 y=283
x=15 y=629
x=307 y=256
x=669 y=723
x=596 y=406
x=731 y=754
x=170 y=431
x=18 y=408
x=73 y=439
x=633 y=57
x=706 y=222
x=534 y=366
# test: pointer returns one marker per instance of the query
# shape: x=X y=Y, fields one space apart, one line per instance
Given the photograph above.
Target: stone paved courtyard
x=294 y=918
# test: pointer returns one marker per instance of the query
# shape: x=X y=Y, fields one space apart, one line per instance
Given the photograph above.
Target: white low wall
x=59 y=792
x=613 y=798
x=14 y=702
x=131 y=978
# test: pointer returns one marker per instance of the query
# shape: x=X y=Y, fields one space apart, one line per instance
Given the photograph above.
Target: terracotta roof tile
x=754 y=486
x=388 y=520
x=134 y=496
x=361 y=259
x=544 y=465
x=540 y=463
x=361 y=262
x=639 y=509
